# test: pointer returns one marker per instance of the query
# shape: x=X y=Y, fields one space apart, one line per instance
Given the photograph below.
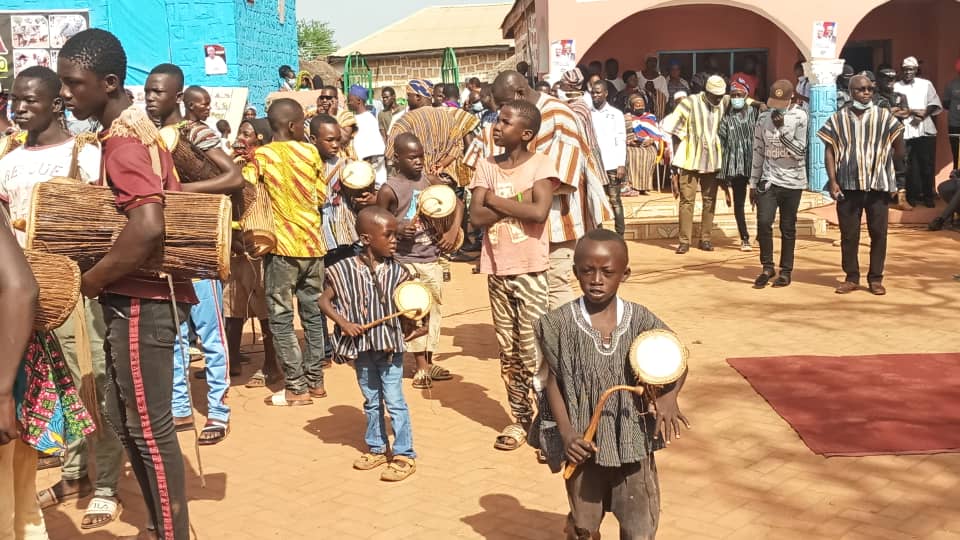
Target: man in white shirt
x=610 y=129
x=213 y=63
x=920 y=133
x=367 y=143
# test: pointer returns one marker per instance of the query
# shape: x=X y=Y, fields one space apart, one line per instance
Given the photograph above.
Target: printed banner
x=34 y=39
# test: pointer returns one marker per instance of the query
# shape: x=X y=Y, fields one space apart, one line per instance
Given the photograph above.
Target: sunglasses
x=325 y=98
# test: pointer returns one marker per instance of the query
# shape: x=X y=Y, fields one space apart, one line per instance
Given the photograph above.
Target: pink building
x=779 y=33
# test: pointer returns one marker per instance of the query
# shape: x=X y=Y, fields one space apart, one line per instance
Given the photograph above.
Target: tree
x=315 y=38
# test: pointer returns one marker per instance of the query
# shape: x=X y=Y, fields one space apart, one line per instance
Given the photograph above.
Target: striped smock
x=697 y=123
x=736 y=138
x=585 y=367
x=863 y=147
x=362 y=296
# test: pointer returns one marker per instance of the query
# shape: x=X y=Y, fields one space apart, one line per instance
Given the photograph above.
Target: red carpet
x=863 y=405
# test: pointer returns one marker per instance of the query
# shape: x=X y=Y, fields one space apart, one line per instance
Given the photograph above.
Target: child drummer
x=586 y=343
x=359 y=290
x=416 y=249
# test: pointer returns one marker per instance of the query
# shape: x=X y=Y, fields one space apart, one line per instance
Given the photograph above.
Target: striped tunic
x=697 y=123
x=362 y=296
x=441 y=130
x=585 y=367
x=583 y=204
x=863 y=148
x=736 y=137
x=294 y=175
x=339 y=219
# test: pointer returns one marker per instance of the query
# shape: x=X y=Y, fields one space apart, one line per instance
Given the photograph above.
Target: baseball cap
x=781 y=92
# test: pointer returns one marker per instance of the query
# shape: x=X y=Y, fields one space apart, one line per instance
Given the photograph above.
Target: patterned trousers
x=516 y=303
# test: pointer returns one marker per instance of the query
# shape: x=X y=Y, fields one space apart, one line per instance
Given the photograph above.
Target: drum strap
x=87 y=382
x=81 y=140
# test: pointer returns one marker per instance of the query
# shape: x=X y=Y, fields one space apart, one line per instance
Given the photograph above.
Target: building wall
x=396 y=70
x=265 y=46
x=631 y=47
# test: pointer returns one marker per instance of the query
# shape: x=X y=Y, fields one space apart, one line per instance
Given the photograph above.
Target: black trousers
x=787 y=202
x=949 y=191
x=739 y=184
x=921 y=156
x=849 y=213
x=613 y=193
x=139 y=351
x=954 y=137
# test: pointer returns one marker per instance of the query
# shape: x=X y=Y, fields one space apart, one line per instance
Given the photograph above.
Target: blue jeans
x=207 y=319
x=283 y=278
x=380 y=375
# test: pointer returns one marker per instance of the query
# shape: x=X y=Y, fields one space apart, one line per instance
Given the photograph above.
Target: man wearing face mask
x=736 y=136
x=920 y=133
x=863 y=157
x=694 y=126
x=778 y=178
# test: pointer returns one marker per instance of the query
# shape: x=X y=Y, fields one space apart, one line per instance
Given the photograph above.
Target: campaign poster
x=824 y=39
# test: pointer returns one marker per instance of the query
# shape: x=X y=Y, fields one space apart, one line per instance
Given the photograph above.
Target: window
x=722 y=61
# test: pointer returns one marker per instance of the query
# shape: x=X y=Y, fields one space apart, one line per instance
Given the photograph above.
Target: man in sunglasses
x=864 y=161
x=327 y=101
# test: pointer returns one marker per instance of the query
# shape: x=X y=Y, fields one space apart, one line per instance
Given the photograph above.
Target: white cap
x=910 y=61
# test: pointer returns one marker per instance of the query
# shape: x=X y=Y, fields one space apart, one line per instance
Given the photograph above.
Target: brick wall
x=397 y=70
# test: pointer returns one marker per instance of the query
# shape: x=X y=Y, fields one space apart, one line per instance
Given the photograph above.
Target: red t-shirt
x=127 y=169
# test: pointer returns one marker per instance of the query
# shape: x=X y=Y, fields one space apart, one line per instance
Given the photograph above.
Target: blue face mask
x=477 y=107
x=861 y=106
x=738 y=102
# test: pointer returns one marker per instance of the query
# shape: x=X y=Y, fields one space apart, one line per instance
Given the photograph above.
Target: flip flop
x=511 y=438
x=217 y=428
x=438 y=373
x=47 y=498
x=101 y=506
x=280 y=400
x=257 y=380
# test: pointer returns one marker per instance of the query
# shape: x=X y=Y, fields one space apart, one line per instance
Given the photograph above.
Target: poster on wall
x=563 y=58
x=34 y=39
x=824 y=39
x=214 y=60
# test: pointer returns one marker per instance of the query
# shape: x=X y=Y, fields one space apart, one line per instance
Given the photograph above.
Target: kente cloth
x=441 y=130
x=51 y=411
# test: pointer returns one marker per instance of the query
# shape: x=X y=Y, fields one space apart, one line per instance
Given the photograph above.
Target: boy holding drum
x=359 y=291
x=417 y=248
x=586 y=345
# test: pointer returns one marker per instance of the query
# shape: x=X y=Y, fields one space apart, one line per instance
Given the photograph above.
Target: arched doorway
x=660 y=31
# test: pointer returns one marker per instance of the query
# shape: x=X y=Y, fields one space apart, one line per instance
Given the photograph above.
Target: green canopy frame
x=449 y=70
x=357 y=71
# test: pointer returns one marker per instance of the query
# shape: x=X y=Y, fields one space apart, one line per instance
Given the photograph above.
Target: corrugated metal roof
x=437 y=27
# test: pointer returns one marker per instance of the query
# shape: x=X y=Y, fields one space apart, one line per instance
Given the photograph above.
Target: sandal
x=213 y=432
x=49 y=497
x=101 y=511
x=399 y=469
x=422 y=380
x=368 y=461
x=438 y=373
x=257 y=380
x=280 y=400
x=511 y=438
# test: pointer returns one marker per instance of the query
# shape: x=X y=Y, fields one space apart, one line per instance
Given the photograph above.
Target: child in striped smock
x=359 y=290
x=585 y=344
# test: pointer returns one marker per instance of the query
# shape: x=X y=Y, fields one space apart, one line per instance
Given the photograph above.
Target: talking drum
x=356 y=178
x=192 y=163
x=436 y=207
x=656 y=358
x=58 y=279
x=413 y=301
x=257 y=224
x=81 y=222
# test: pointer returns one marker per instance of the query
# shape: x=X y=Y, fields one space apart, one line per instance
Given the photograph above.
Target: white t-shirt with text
x=24 y=168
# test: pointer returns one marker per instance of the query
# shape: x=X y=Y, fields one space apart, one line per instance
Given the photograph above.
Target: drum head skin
x=170 y=137
x=437 y=201
x=658 y=357
x=358 y=175
x=414 y=298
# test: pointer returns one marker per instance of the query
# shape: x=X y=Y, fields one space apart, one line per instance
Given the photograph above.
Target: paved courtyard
x=741 y=472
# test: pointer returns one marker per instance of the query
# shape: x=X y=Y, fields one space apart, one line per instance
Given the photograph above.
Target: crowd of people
x=537 y=170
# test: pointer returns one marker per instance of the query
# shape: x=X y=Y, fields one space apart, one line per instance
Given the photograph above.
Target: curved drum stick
x=595 y=420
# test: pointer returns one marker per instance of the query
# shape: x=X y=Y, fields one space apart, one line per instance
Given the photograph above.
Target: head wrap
x=262 y=128
x=679 y=94
x=358 y=91
x=739 y=85
x=346 y=119
x=421 y=87
x=251 y=108
x=574 y=77
x=715 y=85
x=911 y=61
